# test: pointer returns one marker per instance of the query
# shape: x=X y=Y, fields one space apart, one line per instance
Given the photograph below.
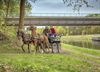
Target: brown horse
x=39 y=41
x=45 y=42
x=42 y=38
x=26 y=39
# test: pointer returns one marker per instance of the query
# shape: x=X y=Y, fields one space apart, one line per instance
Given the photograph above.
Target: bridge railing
x=59 y=14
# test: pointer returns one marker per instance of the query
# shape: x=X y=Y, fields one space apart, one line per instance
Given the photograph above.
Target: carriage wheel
x=56 y=47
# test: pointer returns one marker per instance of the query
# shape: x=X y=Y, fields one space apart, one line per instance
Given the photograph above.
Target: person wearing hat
x=52 y=31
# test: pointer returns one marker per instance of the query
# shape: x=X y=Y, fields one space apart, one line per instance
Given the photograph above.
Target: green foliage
x=93 y=15
x=78 y=30
x=61 y=29
x=77 y=4
x=40 y=30
x=11 y=8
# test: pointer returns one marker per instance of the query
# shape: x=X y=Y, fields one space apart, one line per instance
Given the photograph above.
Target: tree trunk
x=7 y=3
x=7 y=11
x=22 y=12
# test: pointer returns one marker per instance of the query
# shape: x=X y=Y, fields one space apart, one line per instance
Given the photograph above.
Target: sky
x=57 y=6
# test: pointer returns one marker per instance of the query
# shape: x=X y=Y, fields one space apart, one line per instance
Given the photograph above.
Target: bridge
x=55 y=21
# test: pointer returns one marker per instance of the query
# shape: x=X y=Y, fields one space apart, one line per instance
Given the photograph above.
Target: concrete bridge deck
x=55 y=21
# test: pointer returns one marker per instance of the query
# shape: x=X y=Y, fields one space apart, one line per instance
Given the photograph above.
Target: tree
x=93 y=15
x=5 y=8
x=77 y=4
x=22 y=13
x=11 y=8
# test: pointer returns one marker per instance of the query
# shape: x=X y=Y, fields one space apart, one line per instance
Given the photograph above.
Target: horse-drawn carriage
x=53 y=46
x=55 y=43
x=41 y=43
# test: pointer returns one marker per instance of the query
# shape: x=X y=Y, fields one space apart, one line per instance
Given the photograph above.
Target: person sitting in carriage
x=52 y=31
x=52 y=34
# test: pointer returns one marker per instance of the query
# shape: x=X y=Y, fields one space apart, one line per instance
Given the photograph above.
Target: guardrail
x=60 y=14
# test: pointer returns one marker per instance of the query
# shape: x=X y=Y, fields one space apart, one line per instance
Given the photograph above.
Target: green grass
x=82 y=50
x=72 y=59
x=45 y=63
x=9 y=47
x=83 y=38
x=87 y=55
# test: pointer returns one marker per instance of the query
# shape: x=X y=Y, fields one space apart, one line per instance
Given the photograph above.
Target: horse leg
x=34 y=44
x=47 y=47
x=23 y=48
x=37 y=48
x=46 y=43
x=28 y=48
x=57 y=47
x=42 y=47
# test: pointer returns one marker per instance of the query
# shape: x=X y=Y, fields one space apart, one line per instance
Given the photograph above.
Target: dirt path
x=83 y=57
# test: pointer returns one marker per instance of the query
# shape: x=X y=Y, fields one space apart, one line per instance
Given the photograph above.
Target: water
x=91 y=45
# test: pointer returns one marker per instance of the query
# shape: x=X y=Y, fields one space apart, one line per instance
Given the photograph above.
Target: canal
x=81 y=43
